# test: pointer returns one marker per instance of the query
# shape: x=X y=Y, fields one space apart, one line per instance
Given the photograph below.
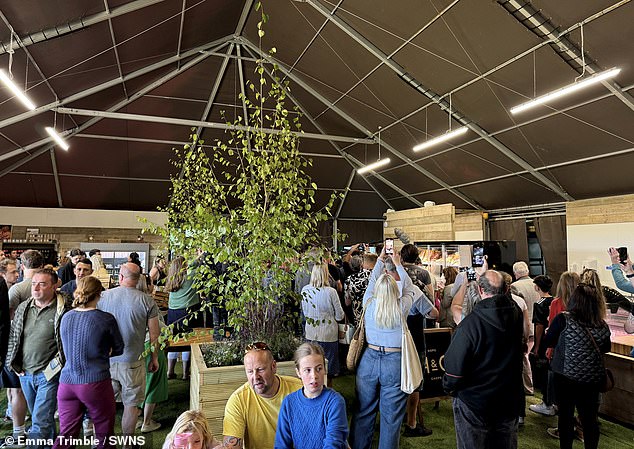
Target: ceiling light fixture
x=374 y=165
x=16 y=91
x=448 y=135
x=436 y=140
x=594 y=79
x=377 y=164
x=57 y=138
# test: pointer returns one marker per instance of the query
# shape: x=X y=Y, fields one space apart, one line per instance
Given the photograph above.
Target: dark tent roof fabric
x=353 y=67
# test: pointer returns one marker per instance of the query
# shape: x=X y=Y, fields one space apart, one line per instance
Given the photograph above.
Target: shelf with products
x=48 y=249
x=115 y=254
x=500 y=254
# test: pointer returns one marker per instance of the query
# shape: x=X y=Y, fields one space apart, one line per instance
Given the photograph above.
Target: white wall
x=466 y=236
x=78 y=218
x=588 y=246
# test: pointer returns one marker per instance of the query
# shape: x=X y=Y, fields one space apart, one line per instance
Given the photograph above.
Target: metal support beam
x=361 y=219
x=542 y=168
x=28 y=55
x=354 y=163
x=245 y=112
x=78 y=24
x=345 y=193
x=137 y=179
x=246 y=10
x=214 y=89
x=89 y=123
x=393 y=53
x=212 y=125
x=180 y=29
x=25 y=160
x=210 y=102
x=58 y=189
x=181 y=143
x=510 y=61
x=358 y=125
x=535 y=21
x=114 y=47
x=459 y=117
x=335 y=236
x=216 y=45
x=528 y=122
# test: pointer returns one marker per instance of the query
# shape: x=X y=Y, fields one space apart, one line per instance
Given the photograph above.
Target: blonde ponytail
x=387 y=313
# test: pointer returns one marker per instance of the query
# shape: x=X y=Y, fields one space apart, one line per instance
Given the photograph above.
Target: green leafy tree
x=249 y=205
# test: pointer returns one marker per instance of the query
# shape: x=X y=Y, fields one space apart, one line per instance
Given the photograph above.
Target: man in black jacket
x=66 y=272
x=483 y=370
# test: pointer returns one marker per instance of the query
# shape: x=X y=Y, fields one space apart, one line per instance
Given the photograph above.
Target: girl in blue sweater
x=315 y=416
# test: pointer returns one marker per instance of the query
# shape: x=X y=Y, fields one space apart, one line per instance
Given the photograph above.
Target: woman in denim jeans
x=378 y=385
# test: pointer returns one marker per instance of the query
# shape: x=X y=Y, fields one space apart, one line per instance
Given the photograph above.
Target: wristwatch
x=629 y=275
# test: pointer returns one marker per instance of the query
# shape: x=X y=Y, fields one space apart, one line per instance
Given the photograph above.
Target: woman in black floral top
x=357 y=283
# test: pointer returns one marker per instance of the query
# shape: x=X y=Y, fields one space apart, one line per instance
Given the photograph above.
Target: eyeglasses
x=257 y=346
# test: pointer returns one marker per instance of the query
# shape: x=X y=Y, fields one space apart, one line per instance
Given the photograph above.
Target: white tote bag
x=411 y=369
x=346 y=331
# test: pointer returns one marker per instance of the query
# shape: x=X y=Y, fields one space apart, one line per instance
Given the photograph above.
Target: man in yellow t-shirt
x=251 y=411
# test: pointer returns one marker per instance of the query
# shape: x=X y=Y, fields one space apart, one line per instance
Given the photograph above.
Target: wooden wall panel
x=425 y=224
x=612 y=209
x=471 y=221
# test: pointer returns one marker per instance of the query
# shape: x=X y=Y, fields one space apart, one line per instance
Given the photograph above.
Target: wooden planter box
x=210 y=388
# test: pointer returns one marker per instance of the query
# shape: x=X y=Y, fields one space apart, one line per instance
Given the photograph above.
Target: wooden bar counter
x=619 y=403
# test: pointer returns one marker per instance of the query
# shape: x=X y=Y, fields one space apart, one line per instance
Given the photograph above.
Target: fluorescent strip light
x=16 y=91
x=372 y=166
x=57 y=138
x=596 y=78
x=439 y=139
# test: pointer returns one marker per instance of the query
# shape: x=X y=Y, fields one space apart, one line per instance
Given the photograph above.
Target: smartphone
x=477 y=260
x=622 y=254
x=471 y=274
x=361 y=247
x=389 y=247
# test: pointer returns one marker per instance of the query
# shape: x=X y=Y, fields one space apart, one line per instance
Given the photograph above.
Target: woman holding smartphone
x=388 y=299
x=314 y=416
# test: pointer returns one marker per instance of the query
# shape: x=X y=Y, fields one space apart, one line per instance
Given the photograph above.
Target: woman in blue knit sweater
x=313 y=417
x=89 y=338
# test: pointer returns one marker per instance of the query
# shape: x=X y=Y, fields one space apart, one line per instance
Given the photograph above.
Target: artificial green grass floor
x=532 y=436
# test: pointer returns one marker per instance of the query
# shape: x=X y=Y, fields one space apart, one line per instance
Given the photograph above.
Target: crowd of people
x=70 y=348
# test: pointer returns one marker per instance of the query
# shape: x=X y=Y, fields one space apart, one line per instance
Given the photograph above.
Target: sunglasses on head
x=257 y=346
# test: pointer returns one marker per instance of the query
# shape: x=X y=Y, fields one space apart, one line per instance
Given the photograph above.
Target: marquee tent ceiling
x=353 y=66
